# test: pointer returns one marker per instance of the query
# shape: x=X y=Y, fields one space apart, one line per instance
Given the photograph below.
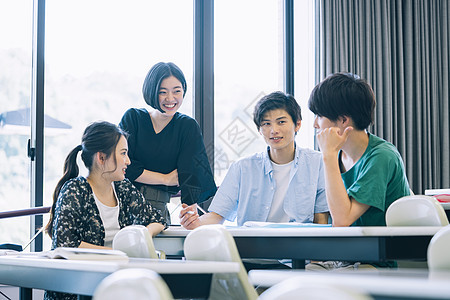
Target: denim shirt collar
x=267 y=162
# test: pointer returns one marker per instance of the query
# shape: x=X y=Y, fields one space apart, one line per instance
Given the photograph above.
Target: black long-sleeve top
x=178 y=146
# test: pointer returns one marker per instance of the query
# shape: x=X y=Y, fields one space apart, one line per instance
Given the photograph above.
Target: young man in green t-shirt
x=364 y=174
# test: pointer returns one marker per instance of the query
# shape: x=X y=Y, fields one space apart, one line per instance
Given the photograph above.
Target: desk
x=364 y=244
x=393 y=284
x=83 y=277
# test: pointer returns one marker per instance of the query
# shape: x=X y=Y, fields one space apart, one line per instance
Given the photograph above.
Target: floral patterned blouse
x=77 y=217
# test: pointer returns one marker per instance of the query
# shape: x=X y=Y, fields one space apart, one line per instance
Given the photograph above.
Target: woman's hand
x=171 y=179
x=155 y=228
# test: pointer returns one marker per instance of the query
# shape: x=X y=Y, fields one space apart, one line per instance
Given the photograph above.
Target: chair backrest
x=416 y=210
x=136 y=284
x=215 y=243
x=135 y=241
x=311 y=289
x=438 y=255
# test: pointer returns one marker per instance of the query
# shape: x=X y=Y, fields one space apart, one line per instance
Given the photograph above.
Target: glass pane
x=15 y=92
x=248 y=64
x=304 y=69
x=97 y=56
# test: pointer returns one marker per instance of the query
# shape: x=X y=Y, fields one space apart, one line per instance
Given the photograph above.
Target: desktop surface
x=82 y=277
x=364 y=244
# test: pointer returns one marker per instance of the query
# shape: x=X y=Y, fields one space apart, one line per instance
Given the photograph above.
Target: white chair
x=311 y=289
x=416 y=210
x=135 y=241
x=438 y=255
x=133 y=284
x=215 y=243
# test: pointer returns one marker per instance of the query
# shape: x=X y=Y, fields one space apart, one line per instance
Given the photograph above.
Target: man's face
x=278 y=129
x=321 y=123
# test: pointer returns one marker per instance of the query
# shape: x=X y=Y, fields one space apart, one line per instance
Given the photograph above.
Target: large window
x=15 y=89
x=97 y=56
x=248 y=63
x=304 y=66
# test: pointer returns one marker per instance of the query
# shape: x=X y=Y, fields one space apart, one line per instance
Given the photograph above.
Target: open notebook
x=86 y=254
x=76 y=254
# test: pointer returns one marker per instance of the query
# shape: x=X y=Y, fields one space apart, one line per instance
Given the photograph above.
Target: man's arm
x=344 y=210
x=190 y=219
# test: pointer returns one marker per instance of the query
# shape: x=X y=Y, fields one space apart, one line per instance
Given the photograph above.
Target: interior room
x=65 y=64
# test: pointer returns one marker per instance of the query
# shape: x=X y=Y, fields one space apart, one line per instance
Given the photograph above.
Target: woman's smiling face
x=170 y=95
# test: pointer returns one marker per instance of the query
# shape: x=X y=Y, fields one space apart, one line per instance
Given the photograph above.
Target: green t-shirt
x=377 y=179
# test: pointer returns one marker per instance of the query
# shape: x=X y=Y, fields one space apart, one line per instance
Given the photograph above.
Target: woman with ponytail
x=88 y=212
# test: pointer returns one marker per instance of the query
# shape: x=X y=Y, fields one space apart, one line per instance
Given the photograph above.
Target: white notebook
x=77 y=254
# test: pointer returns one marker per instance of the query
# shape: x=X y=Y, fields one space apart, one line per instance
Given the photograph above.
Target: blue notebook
x=255 y=224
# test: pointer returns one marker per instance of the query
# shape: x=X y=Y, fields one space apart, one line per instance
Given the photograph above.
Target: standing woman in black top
x=166 y=147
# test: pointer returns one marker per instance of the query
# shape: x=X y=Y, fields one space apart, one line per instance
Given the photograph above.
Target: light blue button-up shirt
x=248 y=189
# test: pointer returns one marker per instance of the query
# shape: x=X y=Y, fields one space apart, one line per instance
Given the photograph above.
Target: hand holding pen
x=189 y=216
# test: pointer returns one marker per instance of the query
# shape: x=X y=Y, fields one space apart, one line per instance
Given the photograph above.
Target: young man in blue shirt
x=284 y=183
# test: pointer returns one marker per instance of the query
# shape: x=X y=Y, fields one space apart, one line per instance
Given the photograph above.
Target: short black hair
x=344 y=94
x=155 y=76
x=277 y=100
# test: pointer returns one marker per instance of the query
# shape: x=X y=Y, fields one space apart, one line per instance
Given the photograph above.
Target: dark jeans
x=158 y=199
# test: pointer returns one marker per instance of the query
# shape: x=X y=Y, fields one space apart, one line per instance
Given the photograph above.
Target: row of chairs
x=207 y=243
x=215 y=243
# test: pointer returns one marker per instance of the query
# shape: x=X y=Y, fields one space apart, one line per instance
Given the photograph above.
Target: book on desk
x=442 y=195
x=76 y=254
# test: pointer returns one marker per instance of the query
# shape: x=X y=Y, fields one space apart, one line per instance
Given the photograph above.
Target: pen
x=32 y=239
x=199 y=208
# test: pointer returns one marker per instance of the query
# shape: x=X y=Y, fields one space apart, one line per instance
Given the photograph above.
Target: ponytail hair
x=97 y=137
x=71 y=170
